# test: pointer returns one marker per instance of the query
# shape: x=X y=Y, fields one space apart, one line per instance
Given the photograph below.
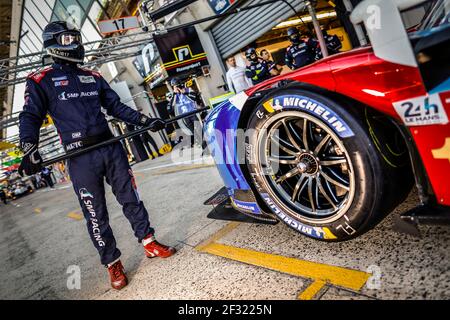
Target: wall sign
x=220 y=6
x=119 y=24
x=181 y=51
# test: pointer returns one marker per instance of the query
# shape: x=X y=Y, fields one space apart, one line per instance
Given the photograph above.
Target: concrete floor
x=42 y=238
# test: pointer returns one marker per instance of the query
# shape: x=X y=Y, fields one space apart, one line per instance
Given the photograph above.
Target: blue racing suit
x=299 y=55
x=74 y=98
x=333 y=45
x=258 y=71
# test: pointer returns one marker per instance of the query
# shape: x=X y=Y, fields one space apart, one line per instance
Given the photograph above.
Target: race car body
x=333 y=147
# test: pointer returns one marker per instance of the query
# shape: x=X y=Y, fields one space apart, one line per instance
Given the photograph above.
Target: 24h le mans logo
x=423 y=110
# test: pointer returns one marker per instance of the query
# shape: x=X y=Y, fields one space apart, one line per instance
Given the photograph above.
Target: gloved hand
x=155 y=124
x=31 y=161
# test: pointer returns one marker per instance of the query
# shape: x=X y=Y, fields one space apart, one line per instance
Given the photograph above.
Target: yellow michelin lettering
x=328 y=233
x=268 y=105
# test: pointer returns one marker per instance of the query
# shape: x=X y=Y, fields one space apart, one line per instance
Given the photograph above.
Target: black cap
x=251 y=55
x=175 y=82
x=293 y=35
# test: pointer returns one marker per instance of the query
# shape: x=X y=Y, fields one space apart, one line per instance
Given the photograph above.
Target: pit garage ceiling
x=239 y=30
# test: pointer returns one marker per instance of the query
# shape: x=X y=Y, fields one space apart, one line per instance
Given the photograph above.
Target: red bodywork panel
x=360 y=75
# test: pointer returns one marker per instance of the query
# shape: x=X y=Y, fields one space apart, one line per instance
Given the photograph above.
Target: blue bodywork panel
x=220 y=133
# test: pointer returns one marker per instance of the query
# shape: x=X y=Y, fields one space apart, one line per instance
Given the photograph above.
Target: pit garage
x=225 y=249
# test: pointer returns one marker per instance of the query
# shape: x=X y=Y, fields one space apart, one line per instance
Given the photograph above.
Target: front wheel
x=315 y=166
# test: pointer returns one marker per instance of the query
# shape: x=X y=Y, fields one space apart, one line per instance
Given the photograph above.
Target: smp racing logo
x=87 y=200
x=62 y=96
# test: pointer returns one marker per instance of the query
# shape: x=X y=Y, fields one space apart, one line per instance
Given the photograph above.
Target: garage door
x=238 y=30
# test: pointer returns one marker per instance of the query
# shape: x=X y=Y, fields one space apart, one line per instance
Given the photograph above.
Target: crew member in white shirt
x=236 y=79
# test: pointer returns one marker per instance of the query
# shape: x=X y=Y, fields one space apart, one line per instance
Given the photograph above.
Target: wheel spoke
x=336 y=183
x=336 y=176
x=288 y=175
x=330 y=191
x=310 y=194
x=322 y=144
x=295 y=132
x=283 y=160
x=324 y=193
x=332 y=162
x=289 y=134
x=305 y=134
x=316 y=195
x=297 y=189
x=285 y=149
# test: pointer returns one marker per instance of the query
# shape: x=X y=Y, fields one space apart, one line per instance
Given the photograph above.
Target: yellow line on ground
x=218 y=235
x=75 y=215
x=183 y=168
x=311 y=291
x=348 y=278
x=37 y=210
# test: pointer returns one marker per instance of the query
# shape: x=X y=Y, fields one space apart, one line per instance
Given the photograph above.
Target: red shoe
x=155 y=249
x=117 y=275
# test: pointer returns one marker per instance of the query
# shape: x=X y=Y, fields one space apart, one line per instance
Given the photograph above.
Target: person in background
x=312 y=42
x=333 y=44
x=236 y=79
x=46 y=175
x=149 y=142
x=56 y=173
x=275 y=69
x=62 y=169
x=3 y=196
x=299 y=53
x=257 y=69
x=34 y=181
x=170 y=110
x=185 y=100
x=145 y=138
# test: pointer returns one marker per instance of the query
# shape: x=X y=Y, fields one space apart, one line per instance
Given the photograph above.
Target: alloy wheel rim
x=306 y=167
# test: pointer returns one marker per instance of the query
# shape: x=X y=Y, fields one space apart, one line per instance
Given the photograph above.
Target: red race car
x=332 y=148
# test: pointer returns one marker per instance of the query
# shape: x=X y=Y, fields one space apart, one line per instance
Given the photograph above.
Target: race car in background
x=332 y=148
x=20 y=189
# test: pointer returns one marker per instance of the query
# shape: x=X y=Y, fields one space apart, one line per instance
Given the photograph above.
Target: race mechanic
x=257 y=69
x=299 y=53
x=74 y=98
x=332 y=42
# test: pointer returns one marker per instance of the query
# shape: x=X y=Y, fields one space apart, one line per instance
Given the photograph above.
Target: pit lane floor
x=44 y=243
